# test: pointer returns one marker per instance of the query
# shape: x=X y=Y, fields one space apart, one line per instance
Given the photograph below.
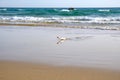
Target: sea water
x=98 y=18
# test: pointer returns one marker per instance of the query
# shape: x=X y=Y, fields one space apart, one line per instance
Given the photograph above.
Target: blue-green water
x=109 y=16
x=40 y=12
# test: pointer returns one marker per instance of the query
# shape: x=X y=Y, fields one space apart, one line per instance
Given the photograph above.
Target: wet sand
x=26 y=71
x=35 y=53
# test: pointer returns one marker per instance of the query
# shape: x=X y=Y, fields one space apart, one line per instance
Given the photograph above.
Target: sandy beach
x=26 y=71
x=35 y=53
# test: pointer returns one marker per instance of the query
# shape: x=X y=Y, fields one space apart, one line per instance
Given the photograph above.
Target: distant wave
x=65 y=10
x=4 y=9
x=104 y=10
x=20 y=9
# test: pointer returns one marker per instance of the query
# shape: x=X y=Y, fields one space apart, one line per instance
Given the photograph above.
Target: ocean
x=95 y=18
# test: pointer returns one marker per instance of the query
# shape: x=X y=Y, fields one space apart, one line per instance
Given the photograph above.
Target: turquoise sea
x=99 y=18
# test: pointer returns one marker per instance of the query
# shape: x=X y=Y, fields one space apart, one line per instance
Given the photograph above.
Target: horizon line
x=57 y=7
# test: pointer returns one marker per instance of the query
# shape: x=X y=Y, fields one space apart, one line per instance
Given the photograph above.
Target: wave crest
x=80 y=19
x=84 y=22
x=104 y=10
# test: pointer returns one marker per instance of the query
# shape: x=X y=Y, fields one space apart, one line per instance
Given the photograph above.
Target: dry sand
x=26 y=71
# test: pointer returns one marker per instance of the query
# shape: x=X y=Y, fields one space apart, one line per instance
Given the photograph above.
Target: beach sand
x=26 y=71
x=35 y=53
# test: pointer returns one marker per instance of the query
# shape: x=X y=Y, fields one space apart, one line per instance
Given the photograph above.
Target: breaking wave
x=104 y=10
x=73 y=19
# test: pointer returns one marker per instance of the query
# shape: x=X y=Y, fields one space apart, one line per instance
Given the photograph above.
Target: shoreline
x=62 y=25
x=27 y=71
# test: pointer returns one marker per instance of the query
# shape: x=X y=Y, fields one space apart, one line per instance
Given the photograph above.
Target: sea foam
x=104 y=10
x=74 y=19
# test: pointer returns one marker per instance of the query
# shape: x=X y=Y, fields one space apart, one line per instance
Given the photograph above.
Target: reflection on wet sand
x=63 y=39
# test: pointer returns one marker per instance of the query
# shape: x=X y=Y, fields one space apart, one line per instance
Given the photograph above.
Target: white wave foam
x=65 y=10
x=104 y=10
x=80 y=19
x=3 y=9
x=20 y=9
x=37 y=20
